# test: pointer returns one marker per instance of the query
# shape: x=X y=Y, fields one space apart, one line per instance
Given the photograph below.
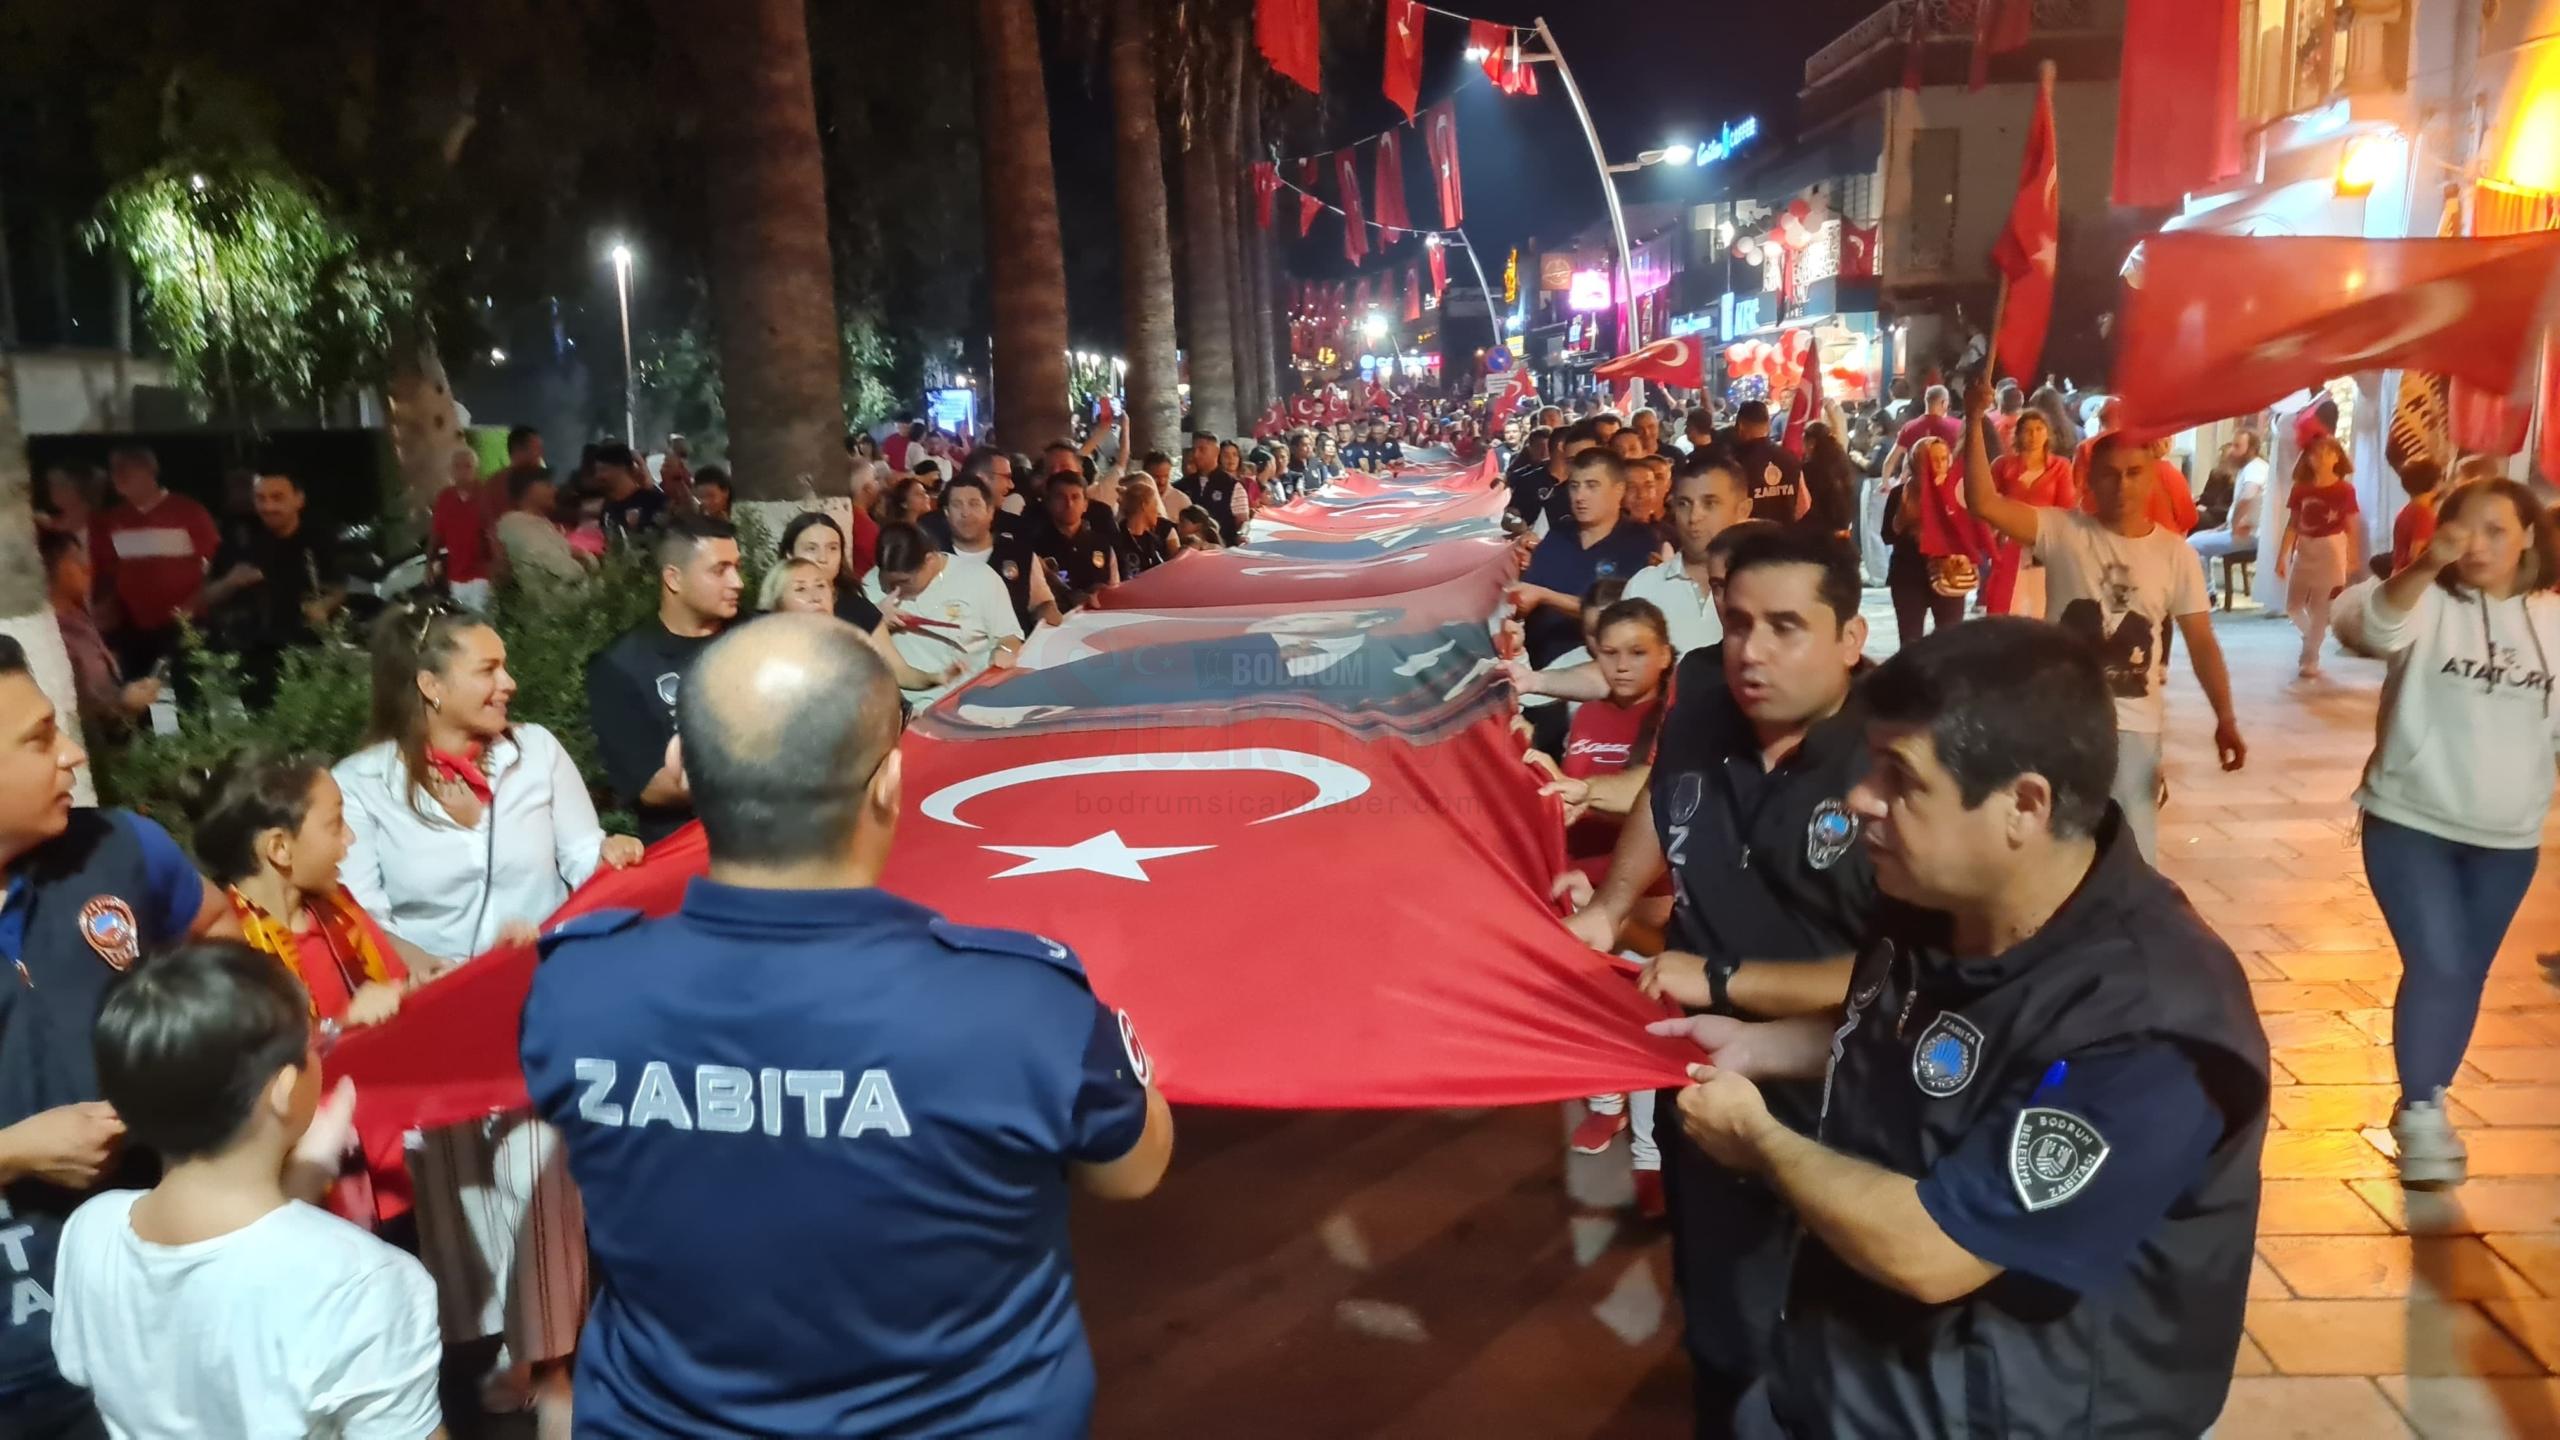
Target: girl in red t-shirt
x=1631 y=643
x=2314 y=555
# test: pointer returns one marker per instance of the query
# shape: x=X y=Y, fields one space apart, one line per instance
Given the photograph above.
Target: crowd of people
x=1952 y=1028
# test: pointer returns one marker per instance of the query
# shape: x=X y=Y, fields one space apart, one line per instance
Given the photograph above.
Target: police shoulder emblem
x=1141 y=1064
x=667 y=684
x=2052 y=1155
x=1098 y=561
x=1948 y=1053
x=1686 y=792
x=107 y=923
x=1829 y=834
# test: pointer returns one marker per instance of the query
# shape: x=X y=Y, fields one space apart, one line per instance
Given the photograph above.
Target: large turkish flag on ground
x=1680 y=361
x=2220 y=325
x=1244 y=576
x=2028 y=246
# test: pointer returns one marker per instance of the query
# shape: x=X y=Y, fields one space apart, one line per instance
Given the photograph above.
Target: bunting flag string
x=1355 y=226
x=1309 y=202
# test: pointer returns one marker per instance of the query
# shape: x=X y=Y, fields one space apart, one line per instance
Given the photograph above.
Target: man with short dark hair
x=1746 y=808
x=274 y=587
x=631 y=504
x=712 y=492
x=524 y=448
x=975 y=533
x=1776 y=477
x=1698 y=429
x=1934 y=423
x=797 y=1046
x=633 y=684
x=2118 y=580
x=84 y=894
x=1601 y=544
x=1214 y=488
x=1072 y=543
x=2032 y=1191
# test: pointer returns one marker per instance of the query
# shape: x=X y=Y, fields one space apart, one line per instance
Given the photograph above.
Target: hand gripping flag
x=1404 y=54
x=1440 y=133
x=1355 y=226
x=2028 y=246
x=1679 y=360
x=2219 y=325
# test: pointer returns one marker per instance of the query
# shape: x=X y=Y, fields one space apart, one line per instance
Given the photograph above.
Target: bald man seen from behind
x=825 y=1135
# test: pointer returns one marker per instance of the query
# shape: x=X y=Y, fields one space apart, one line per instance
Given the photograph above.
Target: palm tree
x=1231 y=182
x=25 y=614
x=773 y=299
x=1026 y=268
x=1208 y=310
x=1269 y=383
x=1146 y=245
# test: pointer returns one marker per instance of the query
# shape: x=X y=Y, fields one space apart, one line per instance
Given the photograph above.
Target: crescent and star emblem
x=1108 y=854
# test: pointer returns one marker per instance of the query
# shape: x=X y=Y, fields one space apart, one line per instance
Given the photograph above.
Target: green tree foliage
x=680 y=377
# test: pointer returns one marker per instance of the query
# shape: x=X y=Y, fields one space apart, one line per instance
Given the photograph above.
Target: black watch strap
x=1720 y=970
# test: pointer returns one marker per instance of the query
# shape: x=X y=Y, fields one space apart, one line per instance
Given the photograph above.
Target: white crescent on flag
x=1335 y=782
x=1677 y=353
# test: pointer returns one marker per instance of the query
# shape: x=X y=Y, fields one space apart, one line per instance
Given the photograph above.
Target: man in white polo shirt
x=941 y=611
x=1707 y=495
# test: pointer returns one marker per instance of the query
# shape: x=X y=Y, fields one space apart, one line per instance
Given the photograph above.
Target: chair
x=2246 y=563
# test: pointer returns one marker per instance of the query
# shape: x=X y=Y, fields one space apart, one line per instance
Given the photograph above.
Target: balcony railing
x=1942 y=19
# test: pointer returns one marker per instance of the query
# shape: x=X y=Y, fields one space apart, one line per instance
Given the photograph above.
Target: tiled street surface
x=1426 y=1274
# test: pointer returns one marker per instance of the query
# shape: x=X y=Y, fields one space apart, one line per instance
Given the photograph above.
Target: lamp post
x=630 y=379
x=1608 y=181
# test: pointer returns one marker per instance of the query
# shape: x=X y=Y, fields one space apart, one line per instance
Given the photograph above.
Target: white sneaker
x=2431 y=1154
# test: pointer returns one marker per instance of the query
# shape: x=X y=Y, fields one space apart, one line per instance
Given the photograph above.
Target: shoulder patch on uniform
x=593 y=924
x=1007 y=942
x=2052 y=1155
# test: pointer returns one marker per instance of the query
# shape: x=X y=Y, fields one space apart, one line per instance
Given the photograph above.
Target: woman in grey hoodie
x=2460 y=781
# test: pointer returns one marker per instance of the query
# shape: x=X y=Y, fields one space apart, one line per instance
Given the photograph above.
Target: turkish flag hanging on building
x=2178 y=100
x=1680 y=361
x=1404 y=54
x=1355 y=227
x=1440 y=133
x=2220 y=325
x=1308 y=204
x=1266 y=189
x=1390 y=189
x=1412 y=293
x=1439 y=254
x=1999 y=26
x=1291 y=39
x=2028 y=245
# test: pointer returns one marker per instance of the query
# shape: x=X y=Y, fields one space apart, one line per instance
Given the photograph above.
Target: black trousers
x=1730 y=1241
x=1916 y=601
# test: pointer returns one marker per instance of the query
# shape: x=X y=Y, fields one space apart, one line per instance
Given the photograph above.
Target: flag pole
x=2000 y=304
x=1491 y=315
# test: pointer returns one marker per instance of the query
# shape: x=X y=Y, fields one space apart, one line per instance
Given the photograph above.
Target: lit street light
x=630 y=378
x=1375 y=326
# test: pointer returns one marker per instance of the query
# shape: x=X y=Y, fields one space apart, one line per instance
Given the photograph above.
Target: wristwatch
x=1720 y=970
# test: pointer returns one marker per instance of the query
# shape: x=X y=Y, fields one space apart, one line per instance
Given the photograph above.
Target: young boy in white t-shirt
x=219 y=1303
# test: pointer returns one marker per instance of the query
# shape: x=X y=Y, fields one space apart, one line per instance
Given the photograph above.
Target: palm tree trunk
x=424 y=427
x=26 y=615
x=1208 y=312
x=773 y=296
x=1146 y=244
x=1026 y=266
x=1270 y=382
x=1231 y=182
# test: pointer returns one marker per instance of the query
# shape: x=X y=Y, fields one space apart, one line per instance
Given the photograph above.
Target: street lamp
x=630 y=378
x=1375 y=326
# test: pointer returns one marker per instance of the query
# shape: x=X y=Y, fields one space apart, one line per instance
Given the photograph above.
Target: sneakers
x=2431 y=1154
x=1593 y=1135
x=1649 y=1194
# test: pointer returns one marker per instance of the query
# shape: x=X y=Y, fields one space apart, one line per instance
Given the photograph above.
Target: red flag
x=1391 y=211
x=1489 y=40
x=1999 y=26
x=1439 y=267
x=1912 y=45
x=1291 y=39
x=1308 y=205
x=2178 y=102
x=1412 y=293
x=1523 y=386
x=1266 y=188
x=1102 y=412
x=1355 y=229
x=1440 y=133
x=1679 y=361
x=2220 y=325
x=2027 y=246
x=1404 y=54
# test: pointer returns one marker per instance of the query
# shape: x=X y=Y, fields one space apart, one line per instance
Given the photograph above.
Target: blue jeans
x=2448 y=905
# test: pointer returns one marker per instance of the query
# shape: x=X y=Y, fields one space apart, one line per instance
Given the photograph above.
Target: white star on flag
x=1103 y=854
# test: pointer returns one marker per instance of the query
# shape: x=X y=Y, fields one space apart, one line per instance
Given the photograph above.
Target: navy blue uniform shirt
x=823 y=1139
x=1562 y=563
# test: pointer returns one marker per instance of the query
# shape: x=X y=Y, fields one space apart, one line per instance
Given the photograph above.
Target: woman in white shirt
x=468 y=831
x=2455 y=796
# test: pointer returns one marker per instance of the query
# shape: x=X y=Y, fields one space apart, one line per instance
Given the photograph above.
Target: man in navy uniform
x=2029 y=1202
x=83 y=893
x=825 y=1135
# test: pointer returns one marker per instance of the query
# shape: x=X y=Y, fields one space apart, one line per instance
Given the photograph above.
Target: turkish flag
x=1999 y=26
x=1502 y=62
x=1291 y=39
x=1680 y=361
x=1391 y=211
x=1439 y=268
x=1308 y=203
x=2178 y=100
x=2220 y=325
x=1266 y=188
x=2027 y=247
x=1522 y=387
x=1412 y=293
x=1440 y=133
x=1355 y=228
x=1404 y=54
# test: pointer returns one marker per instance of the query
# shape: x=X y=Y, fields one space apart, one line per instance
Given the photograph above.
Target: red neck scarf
x=463 y=770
